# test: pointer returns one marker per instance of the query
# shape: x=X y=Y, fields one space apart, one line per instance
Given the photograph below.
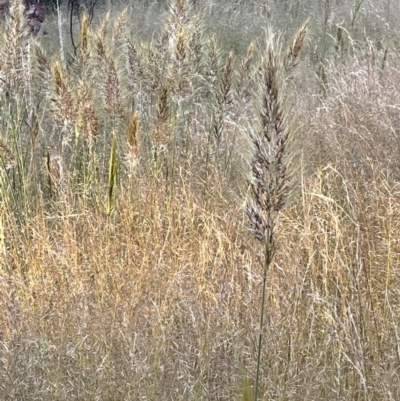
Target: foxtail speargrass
x=270 y=178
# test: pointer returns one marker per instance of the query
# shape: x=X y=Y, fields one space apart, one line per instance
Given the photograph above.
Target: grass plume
x=270 y=177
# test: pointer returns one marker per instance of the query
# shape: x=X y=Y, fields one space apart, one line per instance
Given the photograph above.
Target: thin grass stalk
x=3 y=245
x=112 y=174
x=49 y=180
x=268 y=256
x=243 y=80
x=325 y=29
x=230 y=153
x=354 y=13
x=60 y=32
x=86 y=150
x=6 y=185
x=20 y=157
x=133 y=141
x=7 y=164
x=9 y=197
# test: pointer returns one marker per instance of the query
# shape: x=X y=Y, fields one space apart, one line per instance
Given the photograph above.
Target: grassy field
x=154 y=179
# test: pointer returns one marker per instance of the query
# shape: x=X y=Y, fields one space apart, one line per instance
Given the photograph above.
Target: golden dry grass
x=134 y=277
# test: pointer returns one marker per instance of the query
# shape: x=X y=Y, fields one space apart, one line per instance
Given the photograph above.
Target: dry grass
x=126 y=271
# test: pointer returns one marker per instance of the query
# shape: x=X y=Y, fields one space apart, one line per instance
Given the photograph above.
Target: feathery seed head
x=195 y=42
x=86 y=122
x=163 y=104
x=250 y=51
x=244 y=79
x=270 y=178
x=180 y=48
x=340 y=43
x=113 y=95
x=120 y=24
x=43 y=66
x=213 y=60
x=226 y=80
x=179 y=9
x=132 y=130
x=63 y=102
x=162 y=128
x=84 y=36
x=15 y=52
x=296 y=47
x=59 y=78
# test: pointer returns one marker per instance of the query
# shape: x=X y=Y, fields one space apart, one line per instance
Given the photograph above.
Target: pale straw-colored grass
x=134 y=277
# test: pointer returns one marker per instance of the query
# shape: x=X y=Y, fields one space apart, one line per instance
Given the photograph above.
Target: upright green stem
x=269 y=251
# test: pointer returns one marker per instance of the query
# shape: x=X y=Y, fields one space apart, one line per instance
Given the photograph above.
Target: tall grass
x=271 y=164
x=126 y=269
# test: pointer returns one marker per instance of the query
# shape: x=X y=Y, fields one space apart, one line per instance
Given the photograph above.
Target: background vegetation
x=126 y=268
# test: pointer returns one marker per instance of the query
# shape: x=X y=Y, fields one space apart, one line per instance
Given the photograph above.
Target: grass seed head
x=113 y=94
x=162 y=123
x=84 y=45
x=296 y=47
x=132 y=131
x=270 y=178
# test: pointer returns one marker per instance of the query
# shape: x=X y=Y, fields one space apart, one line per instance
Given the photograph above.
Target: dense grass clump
x=141 y=170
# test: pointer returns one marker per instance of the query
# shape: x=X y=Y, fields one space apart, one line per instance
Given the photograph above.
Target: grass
x=127 y=266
